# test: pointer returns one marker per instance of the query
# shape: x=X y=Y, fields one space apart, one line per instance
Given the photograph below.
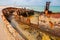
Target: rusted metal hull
x=43 y=28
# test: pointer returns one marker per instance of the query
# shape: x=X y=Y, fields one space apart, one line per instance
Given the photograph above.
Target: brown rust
x=22 y=12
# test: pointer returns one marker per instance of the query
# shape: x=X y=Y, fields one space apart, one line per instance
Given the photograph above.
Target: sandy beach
x=4 y=34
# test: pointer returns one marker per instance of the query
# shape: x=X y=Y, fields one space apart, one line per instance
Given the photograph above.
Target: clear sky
x=29 y=2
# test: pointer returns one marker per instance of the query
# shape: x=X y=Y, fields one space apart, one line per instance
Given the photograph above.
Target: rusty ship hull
x=9 y=12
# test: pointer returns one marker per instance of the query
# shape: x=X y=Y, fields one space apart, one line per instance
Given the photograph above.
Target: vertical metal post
x=47 y=6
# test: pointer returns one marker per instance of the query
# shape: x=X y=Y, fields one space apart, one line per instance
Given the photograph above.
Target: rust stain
x=51 y=24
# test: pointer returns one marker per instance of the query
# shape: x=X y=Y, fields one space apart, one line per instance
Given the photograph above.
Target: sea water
x=42 y=8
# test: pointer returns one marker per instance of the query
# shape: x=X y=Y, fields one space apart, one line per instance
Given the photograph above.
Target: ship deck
x=34 y=24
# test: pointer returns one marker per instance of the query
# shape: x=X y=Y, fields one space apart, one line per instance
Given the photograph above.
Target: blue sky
x=29 y=2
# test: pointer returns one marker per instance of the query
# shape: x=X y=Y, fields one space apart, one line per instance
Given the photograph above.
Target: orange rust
x=2 y=16
x=7 y=25
x=51 y=24
x=28 y=21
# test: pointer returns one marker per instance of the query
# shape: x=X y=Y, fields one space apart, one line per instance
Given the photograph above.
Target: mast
x=47 y=5
x=47 y=8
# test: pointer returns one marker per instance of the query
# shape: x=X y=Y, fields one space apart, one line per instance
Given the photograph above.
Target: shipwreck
x=47 y=22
